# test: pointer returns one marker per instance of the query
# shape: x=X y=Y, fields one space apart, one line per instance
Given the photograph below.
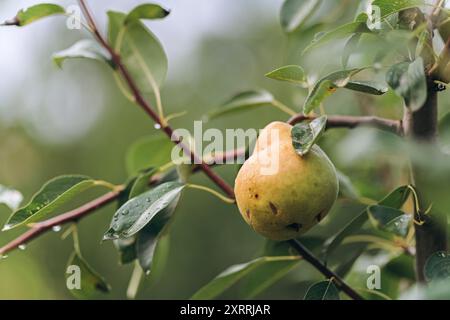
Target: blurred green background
x=55 y=122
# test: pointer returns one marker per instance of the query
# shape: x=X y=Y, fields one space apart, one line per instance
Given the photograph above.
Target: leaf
x=408 y=81
x=268 y=274
x=346 y=188
x=232 y=275
x=53 y=194
x=324 y=290
x=339 y=33
x=389 y=7
x=243 y=101
x=390 y=219
x=34 y=13
x=437 y=266
x=396 y=199
x=140 y=50
x=141 y=183
x=350 y=47
x=127 y=249
x=10 y=197
x=292 y=73
x=147 y=11
x=327 y=86
x=91 y=283
x=369 y=87
x=136 y=213
x=305 y=134
x=86 y=48
x=294 y=13
x=152 y=151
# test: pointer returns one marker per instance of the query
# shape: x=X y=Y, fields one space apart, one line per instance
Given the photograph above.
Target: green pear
x=281 y=194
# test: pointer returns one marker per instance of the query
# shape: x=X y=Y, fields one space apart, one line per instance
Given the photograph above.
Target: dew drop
x=157 y=126
x=22 y=247
x=56 y=228
x=148 y=200
x=147 y=272
x=4 y=256
x=125 y=212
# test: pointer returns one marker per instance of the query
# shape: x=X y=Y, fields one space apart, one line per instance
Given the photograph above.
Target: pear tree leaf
x=346 y=188
x=396 y=199
x=437 y=266
x=147 y=11
x=233 y=274
x=243 y=101
x=339 y=33
x=266 y=275
x=10 y=197
x=390 y=219
x=82 y=281
x=327 y=86
x=324 y=290
x=140 y=50
x=388 y=7
x=350 y=47
x=306 y=133
x=52 y=195
x=34 y=13
x=152 y=151
x=368 y=87
x=291 y=73
x=294 y=13
x=87 y=48
x=138 y=212
x=408 y=81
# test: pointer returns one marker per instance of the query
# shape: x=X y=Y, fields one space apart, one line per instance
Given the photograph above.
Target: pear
x=288 y=197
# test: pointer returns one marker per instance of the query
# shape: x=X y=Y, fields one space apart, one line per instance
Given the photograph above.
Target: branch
x=308 y=256
x=140 y=100
x=394 y=126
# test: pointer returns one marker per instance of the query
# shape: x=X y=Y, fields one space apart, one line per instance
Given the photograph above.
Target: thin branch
x=394 y=126
x=140 y=100
x=308 y=256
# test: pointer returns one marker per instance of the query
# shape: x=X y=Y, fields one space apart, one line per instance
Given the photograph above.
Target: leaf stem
x=211 y=191
x=281 y=106
x=135 y=281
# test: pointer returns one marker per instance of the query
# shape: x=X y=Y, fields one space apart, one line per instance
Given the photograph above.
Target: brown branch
x=394 y=126
x=140 y=100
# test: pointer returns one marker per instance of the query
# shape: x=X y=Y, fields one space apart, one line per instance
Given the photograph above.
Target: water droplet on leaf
x=56 y=228
x=22 y=247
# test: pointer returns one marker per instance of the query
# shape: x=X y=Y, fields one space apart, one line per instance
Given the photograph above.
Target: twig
x=394 y=126
x=308 y=256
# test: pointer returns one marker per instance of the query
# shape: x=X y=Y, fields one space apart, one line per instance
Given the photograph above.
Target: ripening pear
x=281 y=194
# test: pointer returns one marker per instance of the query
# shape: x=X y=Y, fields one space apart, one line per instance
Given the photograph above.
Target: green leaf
x=437 y=266
x=390 y=219
x=444 y=132
x=369 y=87
x=243 y=101
x=324 y=290
x=10 y=197
x=396 y=199
x=292 y=73
x=141 y=183
x=53 y=194
x=306 y=133
x=346 y=188
x=327 y=86
x=140 y=50
x=34 y=13
x=339 y=33
x=350 y=48
x=88 y=49
x=138 y=212
x=127 y=249
x=408 y=80
x=232 y=275
x=389 y=7
x=152 y=151
x=147 y=11
x=294 y=13
x=90 y=284
x=266 y=275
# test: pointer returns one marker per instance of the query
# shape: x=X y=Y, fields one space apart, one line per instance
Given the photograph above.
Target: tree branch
x=394 y=126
